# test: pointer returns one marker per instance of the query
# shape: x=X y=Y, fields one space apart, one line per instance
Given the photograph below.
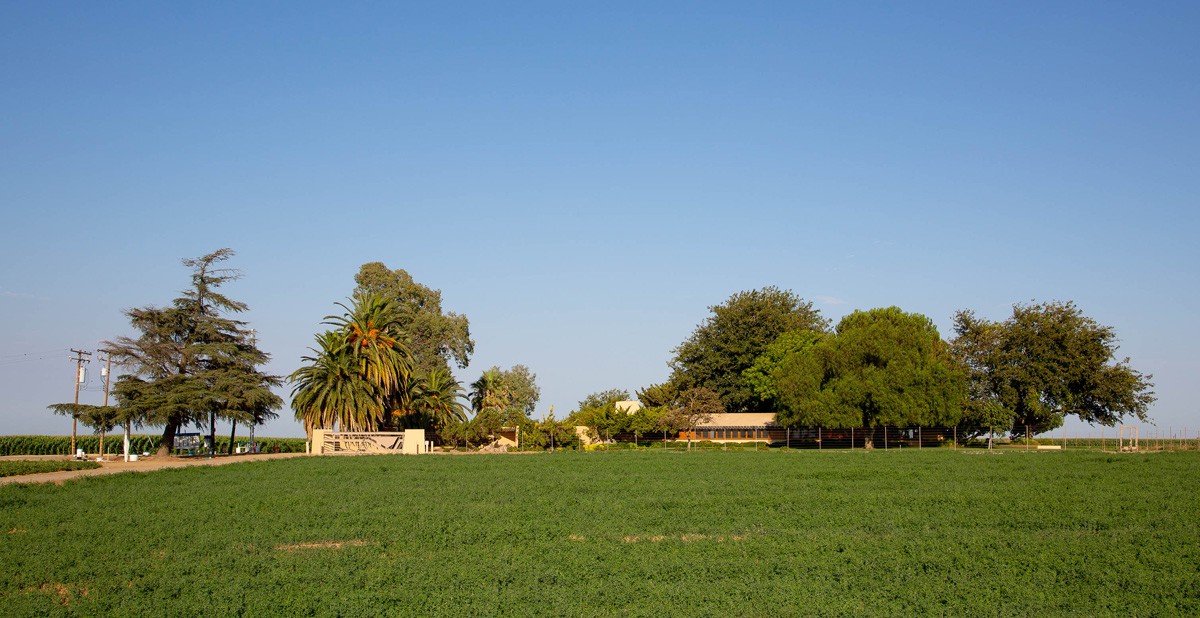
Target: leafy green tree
x=436 y=337
x=513 y=393
x=727 y=343
x=598 y=411
x=647 y=420
x=760 y=376
x=191 y=362
x=243 y=398
x=658 y=395
x=604 y=398
x=373 y=335
x=330 y=392
x=883 y=367
x=1045 y=362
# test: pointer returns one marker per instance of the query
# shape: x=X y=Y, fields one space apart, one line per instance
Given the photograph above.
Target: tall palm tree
x=441 y=399
x=330 y=391
x=357 y=371
x=487 y=393
x=371 y=326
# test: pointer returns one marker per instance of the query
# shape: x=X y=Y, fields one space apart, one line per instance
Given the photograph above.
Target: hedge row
x=140 y=443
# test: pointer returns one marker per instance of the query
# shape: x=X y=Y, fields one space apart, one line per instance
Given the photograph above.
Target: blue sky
x=584 y=181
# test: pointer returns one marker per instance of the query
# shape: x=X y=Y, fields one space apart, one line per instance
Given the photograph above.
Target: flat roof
x=740 y=419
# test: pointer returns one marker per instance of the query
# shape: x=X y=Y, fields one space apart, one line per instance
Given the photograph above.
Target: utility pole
x=79 y=354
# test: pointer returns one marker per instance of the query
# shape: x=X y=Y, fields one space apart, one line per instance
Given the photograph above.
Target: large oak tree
x=738 y=332
x=883 y=367
x=1045 y=362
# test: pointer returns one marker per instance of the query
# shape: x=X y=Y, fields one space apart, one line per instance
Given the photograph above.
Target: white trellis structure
x=1128 y=441
x=407 y=442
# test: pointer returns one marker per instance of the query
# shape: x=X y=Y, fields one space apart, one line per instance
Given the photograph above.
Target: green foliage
x=883 y=367
x=727 y=343
x=599 y=412
x=436 y=404
x=643 y=532
x=356 y=374
x=659 y=395
x=648 y=420
x=190 y=363
x=513 y=394
x=603 y=398
x=22 y=467
x=102 y=419
x=760 y=377
x=1043 y=363
x=435 y=337
x=537 y=435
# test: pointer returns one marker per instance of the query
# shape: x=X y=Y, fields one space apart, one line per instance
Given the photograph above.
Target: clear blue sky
x=584 y=181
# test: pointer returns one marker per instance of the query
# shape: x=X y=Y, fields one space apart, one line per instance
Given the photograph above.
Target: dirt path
x=143 y=464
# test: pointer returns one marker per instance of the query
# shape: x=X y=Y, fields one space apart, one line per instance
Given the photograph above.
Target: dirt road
x=144 y=464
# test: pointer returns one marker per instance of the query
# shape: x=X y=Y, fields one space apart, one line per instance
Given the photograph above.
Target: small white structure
x=628 y=407
x=414 y=442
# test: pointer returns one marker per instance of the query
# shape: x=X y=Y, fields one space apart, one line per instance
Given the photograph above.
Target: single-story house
x=738 y=427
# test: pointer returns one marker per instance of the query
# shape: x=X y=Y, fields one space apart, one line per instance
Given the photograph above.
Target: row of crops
x=139 y=443
x=628 y=532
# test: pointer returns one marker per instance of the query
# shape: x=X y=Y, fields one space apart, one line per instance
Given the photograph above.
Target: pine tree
x=191 y=363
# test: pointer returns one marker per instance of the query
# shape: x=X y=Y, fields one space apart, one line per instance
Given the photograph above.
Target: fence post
x=920 y=441
x=954 y=445
x=852 y=438
x=818 y=438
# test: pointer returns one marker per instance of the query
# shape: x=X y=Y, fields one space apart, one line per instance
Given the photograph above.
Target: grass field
x=17 y=468
x=933 y=532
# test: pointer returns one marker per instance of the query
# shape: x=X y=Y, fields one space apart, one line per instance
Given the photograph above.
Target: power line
x=6 y=356
x=28 y=357
x=7 y=363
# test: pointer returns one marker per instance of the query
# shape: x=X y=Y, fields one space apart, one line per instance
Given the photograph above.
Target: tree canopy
x=435 y=337
x=513 y=393
x=604 y=398
x=1045 y=362
x=882 y=367
x=727 y=343
x=191 y=363
x=102 y=419
x=760 y=376
x=354 y=378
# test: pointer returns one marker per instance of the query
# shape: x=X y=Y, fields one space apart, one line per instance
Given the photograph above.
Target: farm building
x=739 y=427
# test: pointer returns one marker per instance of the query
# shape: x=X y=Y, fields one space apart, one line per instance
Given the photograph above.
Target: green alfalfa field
x=651 y=532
